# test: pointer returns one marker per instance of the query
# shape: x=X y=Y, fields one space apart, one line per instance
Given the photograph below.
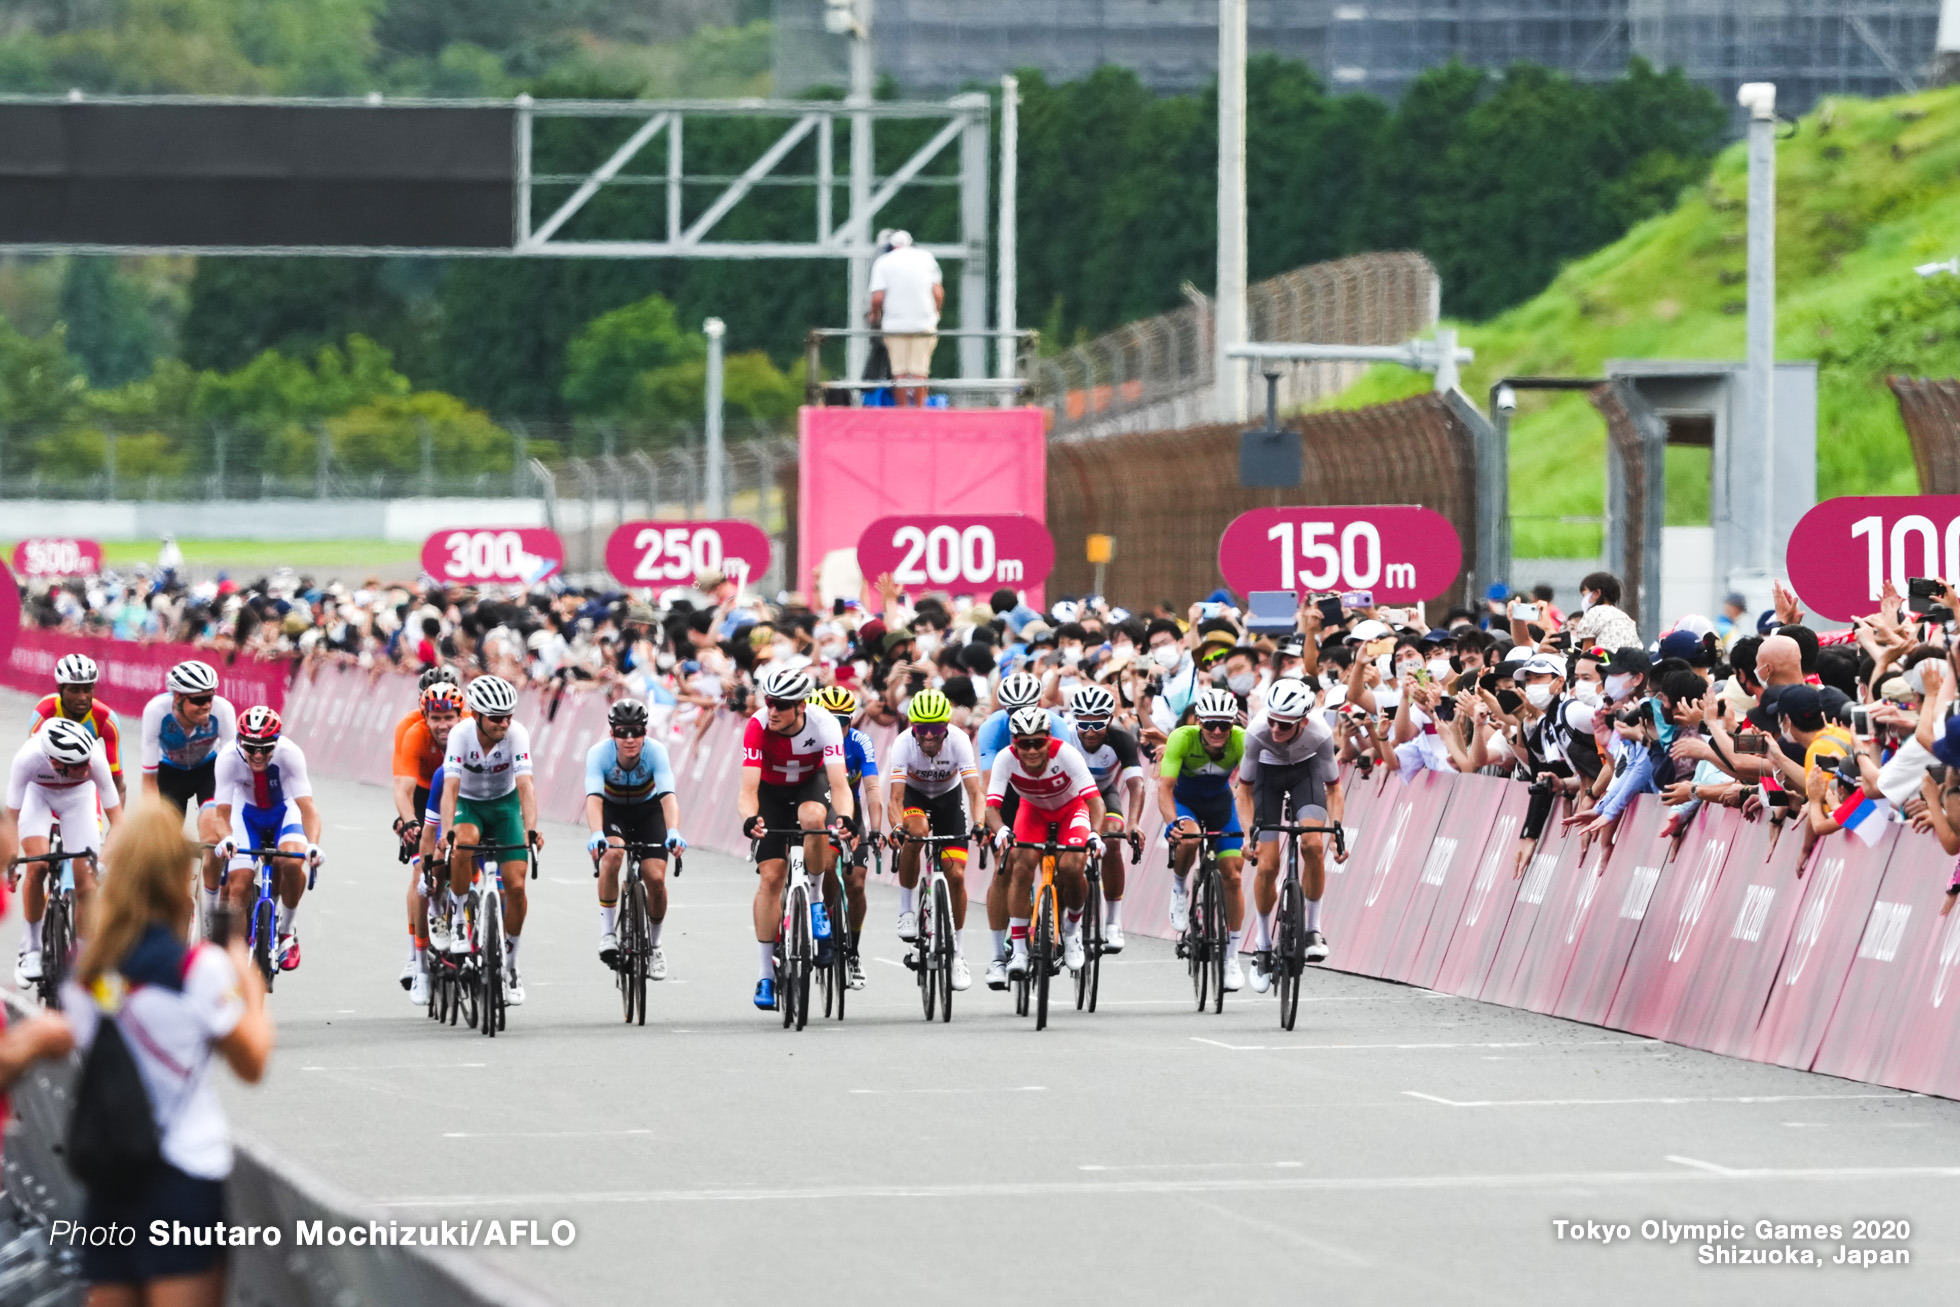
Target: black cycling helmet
x=627 y=712
x=434 y=674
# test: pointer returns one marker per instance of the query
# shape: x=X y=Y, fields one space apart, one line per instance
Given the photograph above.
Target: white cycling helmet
x=789 y=683
x=192 y=677
x=77 y=669
x=1018 y=691
x=1216 y=705
x=1092 y=703
x=66 y=741
x=491 y=696
x=1028 y=721
x=1289 y=700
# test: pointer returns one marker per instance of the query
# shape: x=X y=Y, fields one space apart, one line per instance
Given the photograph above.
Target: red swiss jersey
x=789 y=760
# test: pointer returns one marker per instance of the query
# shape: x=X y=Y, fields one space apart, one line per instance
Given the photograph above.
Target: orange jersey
x=99 y=719
x=416 y=753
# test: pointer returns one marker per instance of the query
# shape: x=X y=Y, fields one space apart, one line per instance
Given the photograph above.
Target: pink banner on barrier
x=1922 y=1048
x=1552 y=872
x=1473 y=846
x=1841 y=882
x=1754 y=912
x=1385 y=886
x=1620 y=900
x=1875 y=1005
x=1368 y=825
x=1654 y=991
x=856 y=465
x=133 y=672
x=1479 y=931
x=9 y=614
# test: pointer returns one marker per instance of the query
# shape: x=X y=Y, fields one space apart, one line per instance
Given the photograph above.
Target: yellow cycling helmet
x=930 y=706
x=836 y=699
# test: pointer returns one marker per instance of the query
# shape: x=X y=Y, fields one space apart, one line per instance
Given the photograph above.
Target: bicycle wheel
x=642 y=951
x=1289 y=954
x=54 y=951
x=925 y=958
x=490 y=966
x=1217 y=939
x=838 y=973
x=1042 y=945
x=942 y=944
x=625 y=943
x=1092 y=910
x=263 y=925
x=1195 y=934
x=797 y=945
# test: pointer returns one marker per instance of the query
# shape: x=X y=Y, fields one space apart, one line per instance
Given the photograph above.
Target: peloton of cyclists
x=629 y=799
x=59 y=774
x=184 y=730
x=264 y=800
x=936 y=783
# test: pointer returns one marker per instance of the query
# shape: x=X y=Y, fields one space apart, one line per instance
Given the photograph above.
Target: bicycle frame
x=935 y=974
x=793 y=990
x=58 y=917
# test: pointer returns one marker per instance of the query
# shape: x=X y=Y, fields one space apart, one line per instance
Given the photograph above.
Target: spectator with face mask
x=1600 y=621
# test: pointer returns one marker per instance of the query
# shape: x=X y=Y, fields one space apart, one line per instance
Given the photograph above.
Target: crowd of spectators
x=1787 y=722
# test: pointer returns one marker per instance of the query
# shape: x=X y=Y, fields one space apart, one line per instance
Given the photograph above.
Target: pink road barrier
x=1921 y=1050
x=1386 y=885
x=1548 y=878
x=1613 y=915
x=1753 y=914
x=1677 y=928
x=1472 y=848
x=133 y=671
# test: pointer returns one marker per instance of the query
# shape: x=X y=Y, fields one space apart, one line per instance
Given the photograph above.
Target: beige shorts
x=911 y=355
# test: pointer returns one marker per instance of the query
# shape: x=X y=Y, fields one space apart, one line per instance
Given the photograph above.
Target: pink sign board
x=9 y=613
x=132 y=671
x=1844 y=550
x=660 y=554
x=513 y=555
x=1402 y=553
x=960 y=555
x=57 y=557
x=856 y=465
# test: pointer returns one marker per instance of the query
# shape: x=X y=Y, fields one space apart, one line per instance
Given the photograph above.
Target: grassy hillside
x=1865 y=190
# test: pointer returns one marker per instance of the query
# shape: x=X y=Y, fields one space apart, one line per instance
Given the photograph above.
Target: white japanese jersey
x=1063 y=778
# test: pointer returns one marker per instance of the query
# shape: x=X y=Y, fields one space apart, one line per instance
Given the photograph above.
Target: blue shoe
x=765 y=995
x=819 y=921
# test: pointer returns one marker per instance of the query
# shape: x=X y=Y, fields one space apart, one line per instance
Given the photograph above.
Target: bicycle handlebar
x=629 y=849
x=1336 y=830
x=492 y=850
x=66 y=855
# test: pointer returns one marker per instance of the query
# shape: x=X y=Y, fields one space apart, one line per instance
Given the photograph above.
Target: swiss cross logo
x=793 y=769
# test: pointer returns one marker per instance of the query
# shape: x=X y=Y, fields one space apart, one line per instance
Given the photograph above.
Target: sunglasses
x=628 y=733
x=256 y=749
x=785 y=705
x=200 y=700
x=494 y=719
x=930 y=732
x=1218 y=726
x=1032 y=742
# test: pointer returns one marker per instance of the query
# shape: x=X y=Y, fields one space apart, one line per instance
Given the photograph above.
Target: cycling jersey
x=487 y=772
x=938 y=774
x=860 y=756
x=1114 y=761
x=100 y=721
x=1062 y=779
x=42 y=796
x=416 y=751
x=993 y=735
x=167 y=742
x=650 y=776
x=790 y=760
x=1196 y=774
x=1311 y=743
x=283 y=779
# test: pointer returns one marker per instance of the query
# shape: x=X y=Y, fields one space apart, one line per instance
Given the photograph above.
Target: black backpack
x=114 y=1146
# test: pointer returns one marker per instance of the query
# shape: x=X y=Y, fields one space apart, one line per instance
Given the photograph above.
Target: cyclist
x=74 y=699
x=1055 y=787
x=60 y=774
x=792 y=775
x=489 y=797
x=1115 y=762
x=1018 y=690
x=183 y=730
x=1289 y=756
x=1194 y=794
x=931 y=764
x=265 y=800
x=420 y=739
x=629 y=796
x=867 y=797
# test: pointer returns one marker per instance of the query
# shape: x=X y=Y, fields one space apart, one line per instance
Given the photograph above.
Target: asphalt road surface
x=1397 y=1146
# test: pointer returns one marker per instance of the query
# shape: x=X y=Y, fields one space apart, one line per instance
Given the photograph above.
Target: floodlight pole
x=716 y=453
x=1005 y=360
x=857 y=349
x=1757 y=449
x=1228 y=316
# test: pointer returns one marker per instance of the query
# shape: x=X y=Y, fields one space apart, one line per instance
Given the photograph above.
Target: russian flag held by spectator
x=1863 y=816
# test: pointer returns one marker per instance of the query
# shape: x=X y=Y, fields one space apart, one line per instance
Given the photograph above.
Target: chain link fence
x=1158 y=374
x=1931 y=410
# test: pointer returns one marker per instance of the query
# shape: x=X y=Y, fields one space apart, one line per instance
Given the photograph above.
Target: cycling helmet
x=76 y=669
x=1028 y=721
x=1018 y=691
x=627 y=712
x=435 y=675
x=1093 y=703
x=442 y=694
x=930 y=706
x=1288 y=701
x=66 y=741
x=192 y=677
x=836 y=699
x=491 y=696
x=788 y=683
x=259 y=725
x=1215 y=705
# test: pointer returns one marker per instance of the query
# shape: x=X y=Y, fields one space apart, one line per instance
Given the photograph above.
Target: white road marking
x=1015 y=1089
x=1294 y=1237
x=1622 y=1102
x=1218 y=1184
x=1699 y=1165
x=1186 y=1166
x=399 y=1066
x=541 y=1134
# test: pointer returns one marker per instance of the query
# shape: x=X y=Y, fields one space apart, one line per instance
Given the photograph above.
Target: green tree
x=385 y=435
x=111 y=332
x=606 y=360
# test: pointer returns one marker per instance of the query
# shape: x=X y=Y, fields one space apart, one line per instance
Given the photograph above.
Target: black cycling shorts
x=644 y=824
x=1288 y=796
x=945 y=813
x=777 y=805
x=188 y=785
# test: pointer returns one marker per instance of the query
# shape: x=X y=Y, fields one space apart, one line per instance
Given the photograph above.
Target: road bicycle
x=1044 y=929
x=812 y=943
x=1290 y=920
x=931 y=956
x=634 y=933
x=484 y=967
x=1088 y=980
x=58 y=920
x=1206 y=938
x=262 y=920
